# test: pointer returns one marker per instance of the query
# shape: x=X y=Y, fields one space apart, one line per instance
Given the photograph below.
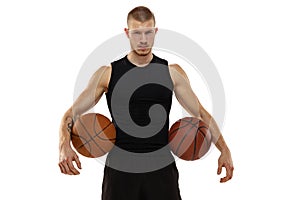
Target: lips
x=143 y=47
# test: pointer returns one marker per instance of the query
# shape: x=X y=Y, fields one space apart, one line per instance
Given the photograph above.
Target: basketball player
x=161 y=183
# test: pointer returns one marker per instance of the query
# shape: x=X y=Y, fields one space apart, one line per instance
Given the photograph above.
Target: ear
x=156 y=29
x=126 y=32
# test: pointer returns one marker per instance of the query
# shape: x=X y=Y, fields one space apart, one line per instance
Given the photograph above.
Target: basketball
x=93 y=135
x=189 y=138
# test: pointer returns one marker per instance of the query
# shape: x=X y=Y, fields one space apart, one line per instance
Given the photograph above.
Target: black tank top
x=139 y=100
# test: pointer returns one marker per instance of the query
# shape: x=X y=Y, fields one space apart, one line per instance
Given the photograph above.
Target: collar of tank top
x=143 y=62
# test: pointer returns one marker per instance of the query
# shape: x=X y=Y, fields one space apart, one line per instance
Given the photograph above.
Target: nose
x=143 y=38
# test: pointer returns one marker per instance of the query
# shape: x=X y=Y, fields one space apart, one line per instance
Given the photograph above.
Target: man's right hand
x=66 y=157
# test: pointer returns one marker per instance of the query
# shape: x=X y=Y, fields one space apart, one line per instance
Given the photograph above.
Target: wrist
x=225 y=150
x=65 y=139
x=64 y=145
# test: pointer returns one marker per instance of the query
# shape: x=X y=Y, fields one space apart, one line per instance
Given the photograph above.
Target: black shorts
x=161 y=184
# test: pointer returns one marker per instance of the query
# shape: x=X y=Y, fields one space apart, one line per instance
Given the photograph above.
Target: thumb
x=219 y=169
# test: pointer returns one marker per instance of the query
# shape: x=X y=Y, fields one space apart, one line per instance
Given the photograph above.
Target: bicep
x=99 y=81
x=184 y=92
x=92 y=93
x=187 y=99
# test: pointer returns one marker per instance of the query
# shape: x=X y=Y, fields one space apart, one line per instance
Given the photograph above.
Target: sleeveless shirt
x=132 y=92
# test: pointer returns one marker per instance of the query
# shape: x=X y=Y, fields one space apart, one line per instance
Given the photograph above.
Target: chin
x=143 y=52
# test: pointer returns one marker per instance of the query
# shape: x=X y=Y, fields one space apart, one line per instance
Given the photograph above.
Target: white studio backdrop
x=253 y=44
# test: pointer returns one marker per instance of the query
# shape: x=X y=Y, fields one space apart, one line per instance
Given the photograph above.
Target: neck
x=139 y=60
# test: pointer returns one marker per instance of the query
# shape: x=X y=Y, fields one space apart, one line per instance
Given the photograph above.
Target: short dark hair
x=141 y=14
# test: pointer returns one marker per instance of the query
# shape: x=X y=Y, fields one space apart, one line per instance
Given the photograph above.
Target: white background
x=255 y=46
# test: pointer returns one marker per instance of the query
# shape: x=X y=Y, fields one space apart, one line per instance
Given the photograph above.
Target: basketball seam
x=90 y=137
x=179 y=121
x=195 y=146
x=202 y=133
x=98 y=133
x=189 y=121
x=82 y=139
x=179 y=145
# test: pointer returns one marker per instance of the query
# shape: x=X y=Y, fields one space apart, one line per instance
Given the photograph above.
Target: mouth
x=143 y=48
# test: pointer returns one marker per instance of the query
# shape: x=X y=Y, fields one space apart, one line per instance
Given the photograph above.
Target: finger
x=225 y=179
x=219 y=169
x=67 y=167
x=72 y=169
x=64 y=167
x=229 y=174
x=62 y=170
x=77 y=161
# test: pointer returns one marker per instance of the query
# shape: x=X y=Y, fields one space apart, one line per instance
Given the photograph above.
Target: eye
x=149 y=32
x=136 y=33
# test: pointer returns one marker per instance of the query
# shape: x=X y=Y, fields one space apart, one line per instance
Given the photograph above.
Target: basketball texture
x=189 y=138
x=93 y=135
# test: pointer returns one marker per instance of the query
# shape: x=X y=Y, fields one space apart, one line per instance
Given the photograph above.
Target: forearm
x=66 y=154
x=81 y=105
x=217 y=137
x=69 y=118
x=221 y=144
x=65 y=129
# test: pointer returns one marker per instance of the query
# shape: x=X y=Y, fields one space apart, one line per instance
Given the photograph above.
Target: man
x=160 y=182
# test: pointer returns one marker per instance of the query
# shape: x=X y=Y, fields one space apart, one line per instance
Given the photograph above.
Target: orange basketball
x=93 y=135
x=189 y=138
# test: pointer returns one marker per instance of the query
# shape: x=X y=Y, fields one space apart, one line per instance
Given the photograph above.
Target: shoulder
x=175 y=68
x=103 y=71
x=102 y=76
x=177 y=73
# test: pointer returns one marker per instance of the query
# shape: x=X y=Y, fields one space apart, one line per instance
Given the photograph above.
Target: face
x=141 y=36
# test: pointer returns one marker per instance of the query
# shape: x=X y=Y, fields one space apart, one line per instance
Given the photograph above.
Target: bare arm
x=189 y=101
x=87 y=99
